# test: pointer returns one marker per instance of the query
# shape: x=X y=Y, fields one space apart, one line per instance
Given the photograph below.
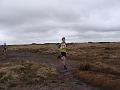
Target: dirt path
x=68 y=83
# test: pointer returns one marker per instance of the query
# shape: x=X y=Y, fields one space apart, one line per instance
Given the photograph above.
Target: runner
x=63 y=52
x=4 y=48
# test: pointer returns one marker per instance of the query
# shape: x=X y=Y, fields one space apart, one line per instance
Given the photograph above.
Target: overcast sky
x=40 y=21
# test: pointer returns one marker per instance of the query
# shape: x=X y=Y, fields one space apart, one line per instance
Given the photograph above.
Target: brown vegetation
x=99 y=74
x=107 y=81
x=99 y=62
x=12 y=74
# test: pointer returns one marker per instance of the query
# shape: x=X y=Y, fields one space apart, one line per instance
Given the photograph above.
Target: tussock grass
x=25 y=73
x=99 y=67
x=99 y=79
x=100 y=63
x=42 y=49
x=99 y=74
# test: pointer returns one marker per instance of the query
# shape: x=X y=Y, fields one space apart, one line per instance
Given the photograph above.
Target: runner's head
x=63 y=39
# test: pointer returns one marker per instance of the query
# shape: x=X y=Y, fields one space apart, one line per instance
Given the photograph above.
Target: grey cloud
x=26 y=21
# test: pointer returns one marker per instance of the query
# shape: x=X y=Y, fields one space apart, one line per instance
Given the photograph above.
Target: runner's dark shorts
x=63 y=54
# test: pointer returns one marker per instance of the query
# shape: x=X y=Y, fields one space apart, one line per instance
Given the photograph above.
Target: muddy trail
x=68 y=81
